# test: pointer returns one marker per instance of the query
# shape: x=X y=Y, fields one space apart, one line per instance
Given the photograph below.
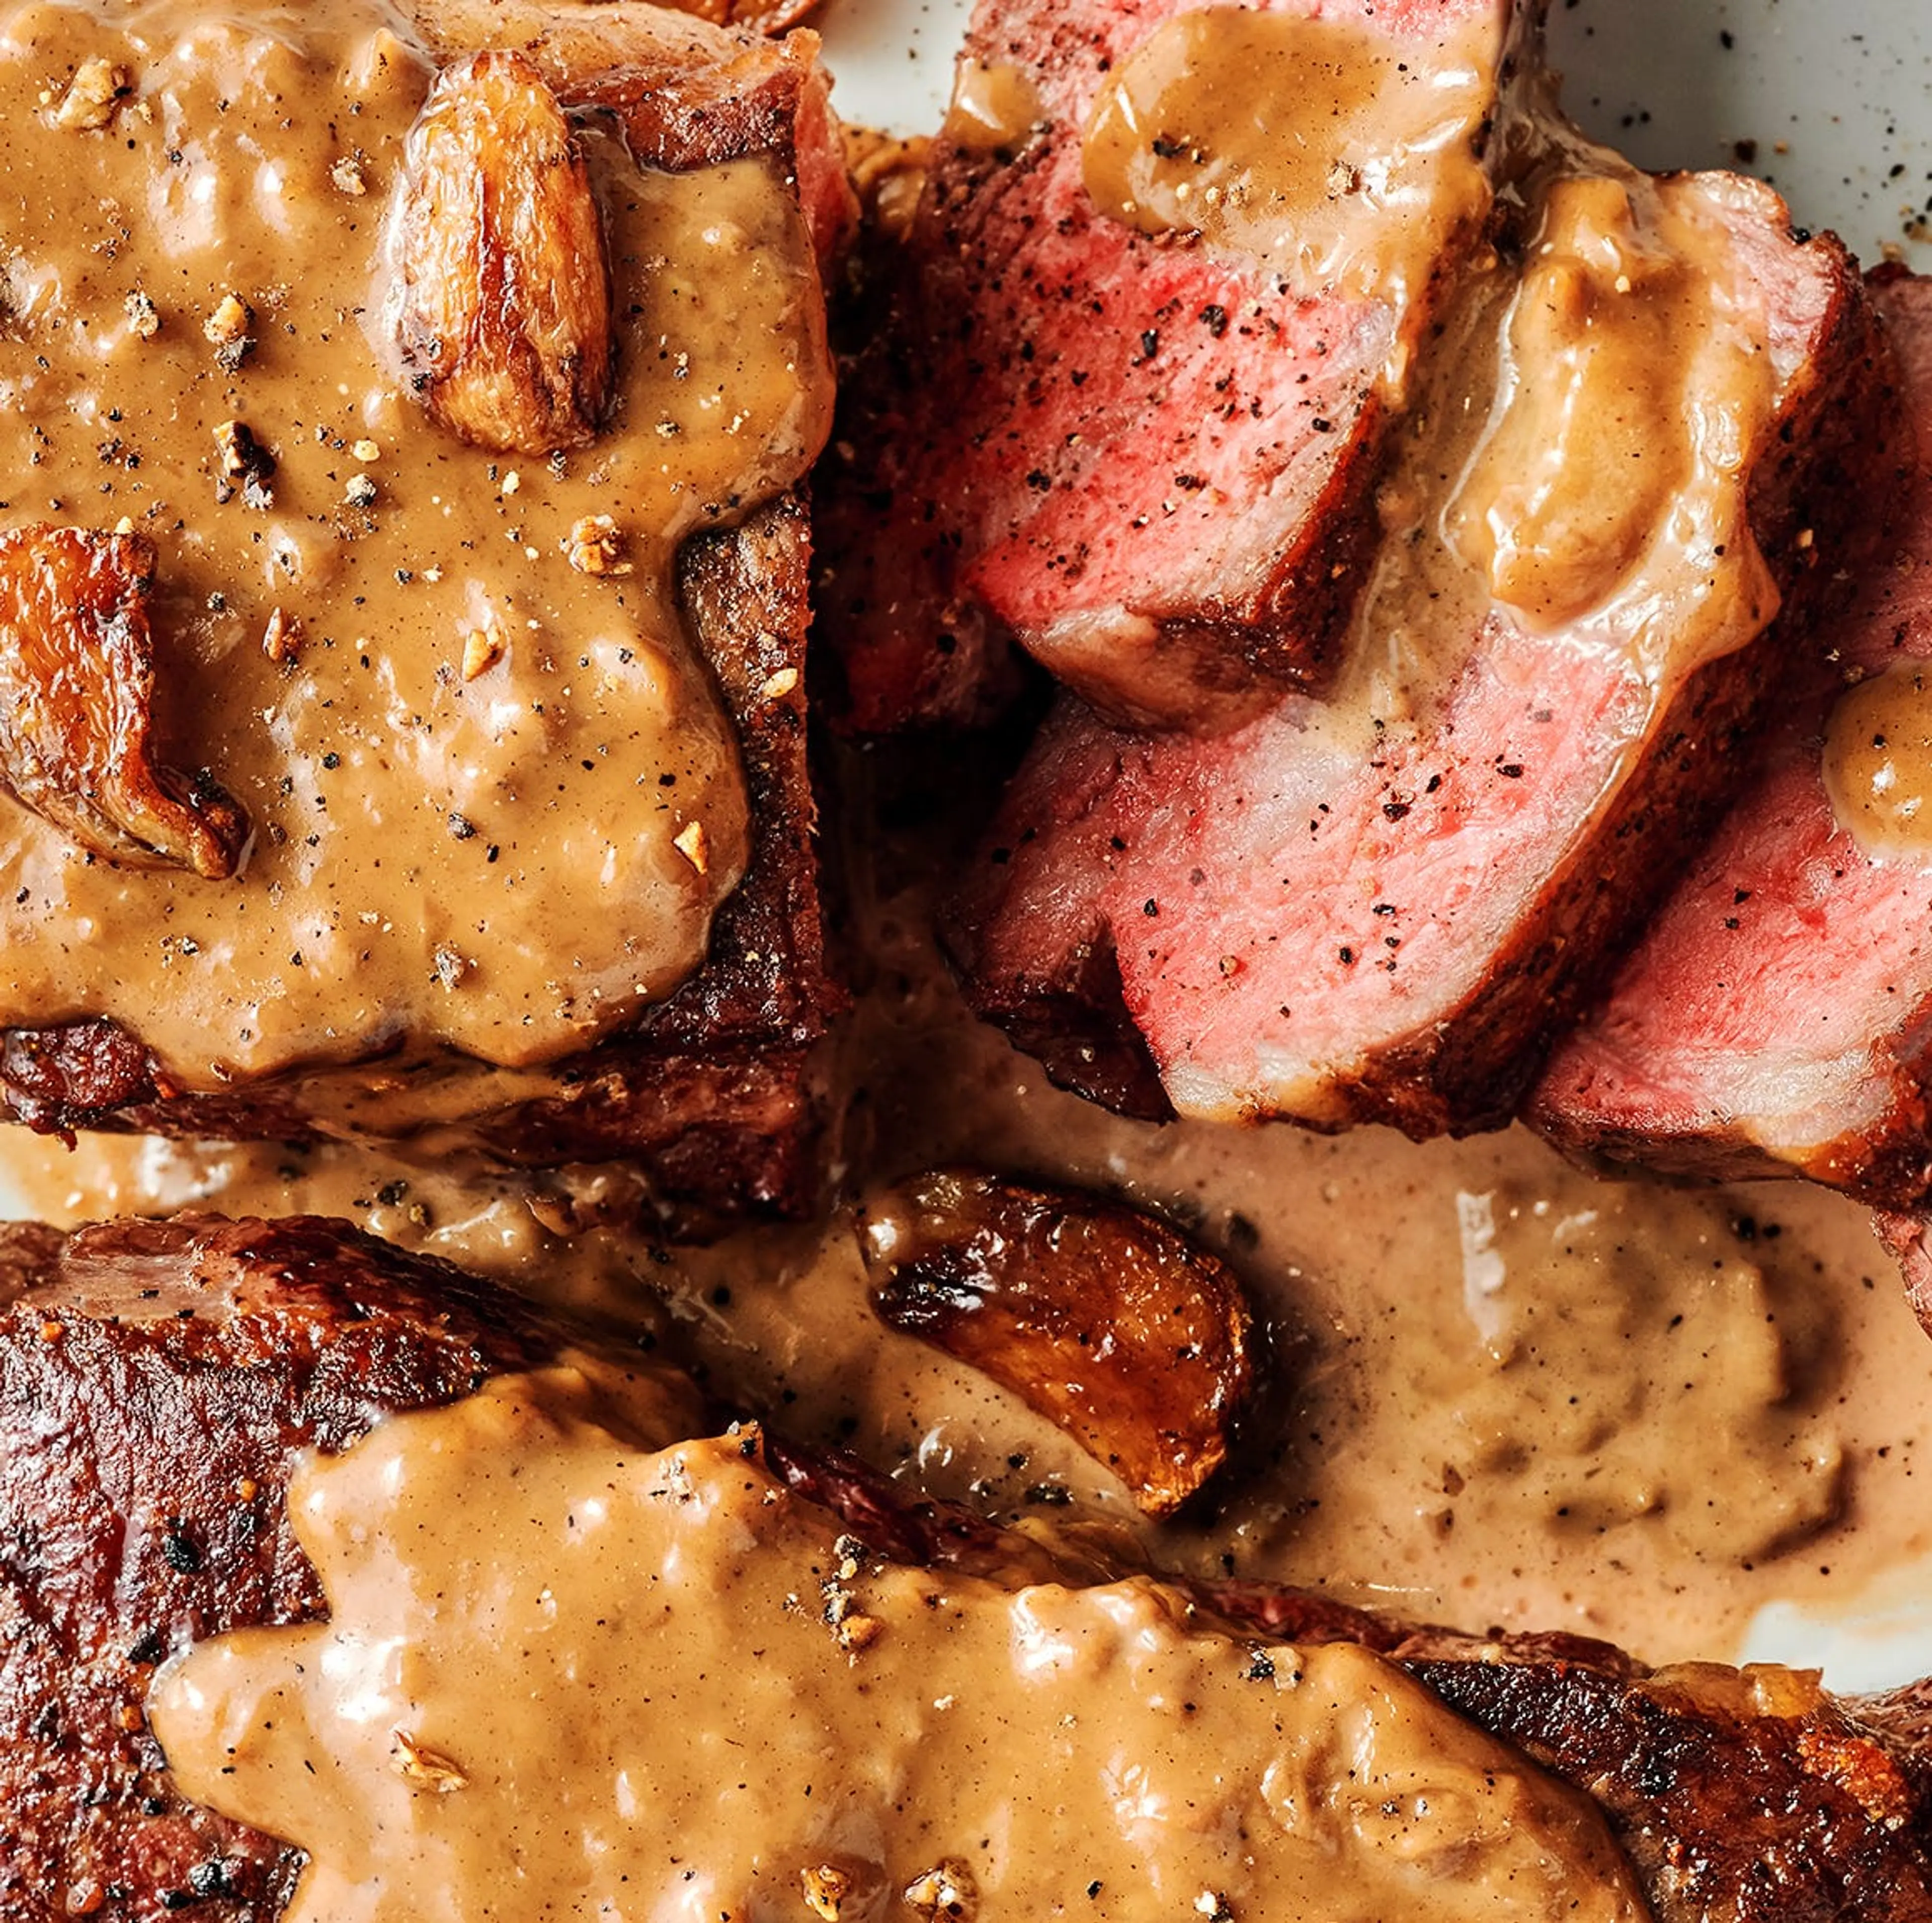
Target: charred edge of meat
x=176 y=1371
x=1757 y=1813
x=1137 y=1344
x=713 y=1093
x=505 y=319
x=76 y=703
x=171 y=1374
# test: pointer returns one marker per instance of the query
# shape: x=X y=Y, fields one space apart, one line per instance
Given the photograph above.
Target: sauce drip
x=994 y=107
x=1345 y=162
x=1633 y=404
x=1878 y=762
x=481 y=720
x=573 y=1672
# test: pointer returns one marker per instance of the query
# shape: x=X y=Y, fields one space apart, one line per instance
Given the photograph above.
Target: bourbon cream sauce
x=1878 y=762
x=469 y=742
x=568 y=1672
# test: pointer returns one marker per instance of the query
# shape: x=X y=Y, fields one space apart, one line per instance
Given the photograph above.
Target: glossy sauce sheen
x=1553 y=471
x=1502 y=1392
x=1878 y=763
x=569 y=1673
x=475 y=743
x=1306 y=142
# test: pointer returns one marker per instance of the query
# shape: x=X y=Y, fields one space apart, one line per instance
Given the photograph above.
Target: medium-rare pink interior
x=1376 y=908
x=1148 y=454
x=1772 y=1020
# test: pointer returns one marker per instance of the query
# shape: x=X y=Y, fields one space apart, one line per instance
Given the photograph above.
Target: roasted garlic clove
x=76 y=688
x=505 y=314
x=1109 y=1323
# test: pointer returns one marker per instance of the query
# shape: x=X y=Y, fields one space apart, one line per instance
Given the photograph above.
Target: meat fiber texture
x=159 y=1382
x=1011 y=440
x=1259 y=926
x=1773 y=1019
x=712 y=1094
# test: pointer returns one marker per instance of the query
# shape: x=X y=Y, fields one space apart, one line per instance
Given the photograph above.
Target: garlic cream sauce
x=452 y=688
x=1505 y=1392
x=571 y=1674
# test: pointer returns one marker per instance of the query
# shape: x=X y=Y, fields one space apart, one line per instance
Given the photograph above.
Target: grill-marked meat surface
x=1334 y=937
x=1773 y=1019
x=1151 y=464
x=158 y=1379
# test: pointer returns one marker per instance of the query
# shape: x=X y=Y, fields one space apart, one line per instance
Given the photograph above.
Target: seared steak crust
x=158 y=1381
x=1773 y=1020
x=710 y=1094
x=1150 y=466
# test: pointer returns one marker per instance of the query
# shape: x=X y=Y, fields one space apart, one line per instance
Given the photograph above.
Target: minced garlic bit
x=281 y=641
x=594 y=546
x=483 y=648
x=689 y=842
x=417 y=1762
x=230 y=331
x=97 y=89
x=348 y=176
x=945 y=1890
x=857 y=1632
x=825 y=1887
x=366 y=451
x=451 y=967
x=360 y=492
x=1212 y=1905
x=778 y=686
x=143 y=316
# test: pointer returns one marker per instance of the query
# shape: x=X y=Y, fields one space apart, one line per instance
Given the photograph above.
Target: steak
x=1773 y=1019
x=709 y=1091
x=1147 y=457
x=1392 y=925
x=159 y=1381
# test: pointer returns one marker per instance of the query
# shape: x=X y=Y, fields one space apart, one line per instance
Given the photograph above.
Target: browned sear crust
x=76 y=689
x=505 y=316
x=1109 y=1323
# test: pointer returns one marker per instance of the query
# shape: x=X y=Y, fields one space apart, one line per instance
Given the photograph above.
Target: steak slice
x=1147 y=458
x=1773 y=1019
x=159 y=1381
x=1392 y=927
x=710 y=1091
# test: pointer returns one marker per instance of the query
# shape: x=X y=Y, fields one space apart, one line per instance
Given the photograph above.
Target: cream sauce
x=1347 y=161
x=1576 y=450
x=1878 y=762
x=570 y=1672
x=473 y=737
x=1609 y=489
x=994 y=106
x=1509 y=1393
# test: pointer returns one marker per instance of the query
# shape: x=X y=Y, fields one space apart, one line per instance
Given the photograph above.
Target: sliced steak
x=1773 y=1020
x=1392 y=925
x=709 y=1089
x=1147 y=456
x=159 y=1381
